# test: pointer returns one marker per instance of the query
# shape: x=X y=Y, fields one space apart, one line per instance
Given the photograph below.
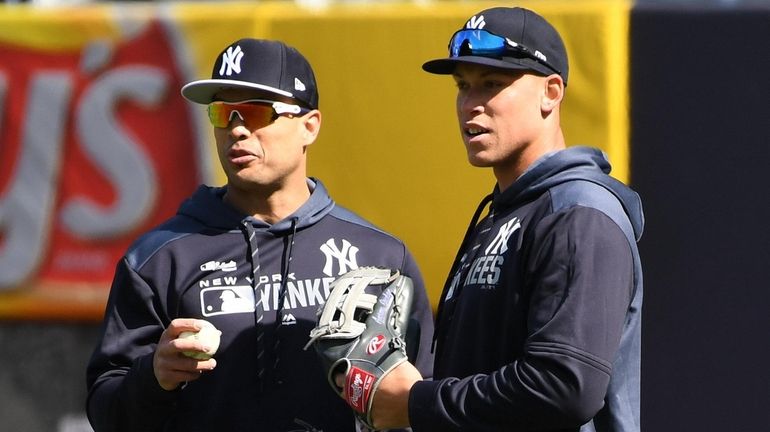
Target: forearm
x=129 y=400
x=551 y=392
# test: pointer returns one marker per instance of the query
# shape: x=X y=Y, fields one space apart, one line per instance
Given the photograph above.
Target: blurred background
x=97 y=146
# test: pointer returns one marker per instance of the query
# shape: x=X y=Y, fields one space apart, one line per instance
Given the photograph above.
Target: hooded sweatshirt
x=261 y=285
x=538 y=328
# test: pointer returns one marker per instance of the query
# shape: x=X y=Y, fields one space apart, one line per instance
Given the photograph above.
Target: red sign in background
x=103 y=129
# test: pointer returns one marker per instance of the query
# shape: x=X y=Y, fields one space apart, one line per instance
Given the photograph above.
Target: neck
x=507 y=174
x=267 y=202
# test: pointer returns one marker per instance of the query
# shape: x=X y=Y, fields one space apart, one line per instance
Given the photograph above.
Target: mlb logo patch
x=227 y=300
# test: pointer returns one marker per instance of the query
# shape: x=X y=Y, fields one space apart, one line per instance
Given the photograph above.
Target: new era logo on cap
x=268 y=67
x=299 y=85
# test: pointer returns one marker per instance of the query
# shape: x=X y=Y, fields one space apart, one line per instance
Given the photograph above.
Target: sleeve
x=579 y=276
x=123 y=394
x=420 y=332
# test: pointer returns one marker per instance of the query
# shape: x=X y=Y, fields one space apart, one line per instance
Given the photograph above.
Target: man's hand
x=360 y=336
x=390 y=409
x=173 y=368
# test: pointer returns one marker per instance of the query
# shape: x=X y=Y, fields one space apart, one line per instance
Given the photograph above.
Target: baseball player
x=538 y=326
x=255 y=258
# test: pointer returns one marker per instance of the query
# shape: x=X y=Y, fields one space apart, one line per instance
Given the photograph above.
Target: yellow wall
x=389 y=147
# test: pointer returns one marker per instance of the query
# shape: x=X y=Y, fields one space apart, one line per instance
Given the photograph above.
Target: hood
x=573 y=163
x=206 y=206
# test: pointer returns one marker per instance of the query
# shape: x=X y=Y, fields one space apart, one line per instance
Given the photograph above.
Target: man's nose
x=471 y=103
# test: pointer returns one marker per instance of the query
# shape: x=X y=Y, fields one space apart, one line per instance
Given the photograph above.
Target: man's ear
x=311 y=123
x=553 y=93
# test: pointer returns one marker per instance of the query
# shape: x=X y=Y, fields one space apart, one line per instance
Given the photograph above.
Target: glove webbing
x=346 y=326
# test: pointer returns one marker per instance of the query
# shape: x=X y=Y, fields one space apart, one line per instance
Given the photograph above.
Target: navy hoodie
x=538 y=328
x=199 y=264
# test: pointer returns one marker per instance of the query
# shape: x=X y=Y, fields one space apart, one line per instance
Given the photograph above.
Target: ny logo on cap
x=476 y=22
x=231 y=61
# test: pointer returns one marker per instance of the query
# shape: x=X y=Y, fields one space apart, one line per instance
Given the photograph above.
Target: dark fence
x=700 y=106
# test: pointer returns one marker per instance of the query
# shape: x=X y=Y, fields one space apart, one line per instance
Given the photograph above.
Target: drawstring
x=281 y=296
x=466 y=238
x=259 y=310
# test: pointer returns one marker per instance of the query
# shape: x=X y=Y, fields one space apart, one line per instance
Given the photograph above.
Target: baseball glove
x=361 y=335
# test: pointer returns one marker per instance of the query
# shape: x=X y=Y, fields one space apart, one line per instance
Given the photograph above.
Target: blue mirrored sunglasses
x=485 y=44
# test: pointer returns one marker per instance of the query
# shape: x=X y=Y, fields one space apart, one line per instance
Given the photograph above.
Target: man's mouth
x=240 y=156
x=475 y=131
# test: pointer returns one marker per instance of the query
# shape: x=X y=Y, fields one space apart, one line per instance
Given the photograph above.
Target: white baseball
x=208 y=335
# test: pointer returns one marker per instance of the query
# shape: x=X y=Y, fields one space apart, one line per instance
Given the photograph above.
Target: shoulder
x=587 y=194
x=155 y=240
x=346 y=216
x=583 y=193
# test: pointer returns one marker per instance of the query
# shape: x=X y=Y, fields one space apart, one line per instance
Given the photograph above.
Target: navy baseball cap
x=267 y=66
x=506 y=38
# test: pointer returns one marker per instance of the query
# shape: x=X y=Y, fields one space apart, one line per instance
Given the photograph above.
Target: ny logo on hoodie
x=345 y=257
